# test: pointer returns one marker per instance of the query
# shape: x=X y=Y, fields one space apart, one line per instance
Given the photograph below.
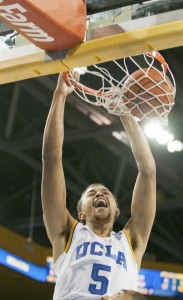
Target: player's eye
x=105 y=192
x=91 y=194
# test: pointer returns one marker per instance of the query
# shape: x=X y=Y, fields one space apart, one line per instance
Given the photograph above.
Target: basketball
x=149 y=93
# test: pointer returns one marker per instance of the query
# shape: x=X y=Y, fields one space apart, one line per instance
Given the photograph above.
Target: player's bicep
x=142 y=211
x=144 y=203
x=53 y=194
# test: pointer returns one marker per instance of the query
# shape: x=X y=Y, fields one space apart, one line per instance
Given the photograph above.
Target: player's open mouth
x=101 y=202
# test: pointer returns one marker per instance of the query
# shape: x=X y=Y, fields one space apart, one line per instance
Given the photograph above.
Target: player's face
x=98 y=204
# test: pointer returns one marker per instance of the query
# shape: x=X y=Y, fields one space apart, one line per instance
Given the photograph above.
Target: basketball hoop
x=145 y=89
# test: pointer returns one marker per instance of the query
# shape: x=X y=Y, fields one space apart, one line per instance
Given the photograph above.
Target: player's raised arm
x=143 y=205
x=56 y=217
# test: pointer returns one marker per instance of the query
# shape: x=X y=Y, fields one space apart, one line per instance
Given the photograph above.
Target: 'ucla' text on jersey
x=98 y=249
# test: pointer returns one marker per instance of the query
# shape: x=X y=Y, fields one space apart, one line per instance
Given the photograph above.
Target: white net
x=142 y=86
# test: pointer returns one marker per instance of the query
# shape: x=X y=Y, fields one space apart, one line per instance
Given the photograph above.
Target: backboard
x=111 y=34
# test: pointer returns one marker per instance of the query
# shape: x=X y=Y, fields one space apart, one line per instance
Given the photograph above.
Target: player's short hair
x=79 y=204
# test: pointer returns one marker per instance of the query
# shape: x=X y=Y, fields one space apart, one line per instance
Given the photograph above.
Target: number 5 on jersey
x=99 y=278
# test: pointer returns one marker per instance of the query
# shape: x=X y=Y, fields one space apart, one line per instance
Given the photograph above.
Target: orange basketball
x=149 y=93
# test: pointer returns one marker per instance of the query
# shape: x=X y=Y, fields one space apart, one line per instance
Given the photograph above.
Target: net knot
x=114 y=102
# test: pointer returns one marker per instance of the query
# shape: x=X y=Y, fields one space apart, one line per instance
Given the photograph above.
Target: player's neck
x=101 y=229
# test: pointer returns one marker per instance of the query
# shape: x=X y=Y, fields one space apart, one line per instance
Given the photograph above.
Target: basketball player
x=90 y=259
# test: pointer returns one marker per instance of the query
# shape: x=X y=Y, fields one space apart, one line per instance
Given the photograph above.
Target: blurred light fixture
x=156 y=131
x=117 y=135
x=121 y=136
x=95 y=119
x=164 y=137
x=81 y=70
x=152 y=129
x=175 y=146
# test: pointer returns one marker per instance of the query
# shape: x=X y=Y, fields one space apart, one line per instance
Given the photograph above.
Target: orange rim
x=160 y=58
x=77 y=85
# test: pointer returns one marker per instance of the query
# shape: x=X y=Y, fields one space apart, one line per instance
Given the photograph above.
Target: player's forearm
x=54 y=129
x=140 y=147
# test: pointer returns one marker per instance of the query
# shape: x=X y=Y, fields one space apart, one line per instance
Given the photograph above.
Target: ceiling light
x=175 y=146
x=81 y=70
x=121 y=136
x=117 y=135
x=152 y=129
x=95 y=119
x=164 y=137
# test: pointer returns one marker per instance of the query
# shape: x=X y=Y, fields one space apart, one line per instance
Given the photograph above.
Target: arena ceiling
x=91 y=154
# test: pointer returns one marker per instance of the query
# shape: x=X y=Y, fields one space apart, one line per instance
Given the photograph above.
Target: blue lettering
x=94 y=251
x=121 y=260
x=81 y=250
x=109 y=254
x=97 y=248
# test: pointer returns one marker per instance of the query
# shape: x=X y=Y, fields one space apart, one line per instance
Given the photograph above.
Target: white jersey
x=92 y=266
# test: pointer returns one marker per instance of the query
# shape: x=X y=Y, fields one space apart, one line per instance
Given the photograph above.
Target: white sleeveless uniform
x=92 y=266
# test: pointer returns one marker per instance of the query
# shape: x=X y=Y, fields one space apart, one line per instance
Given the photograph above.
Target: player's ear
x=82 y=216
x=117 y=213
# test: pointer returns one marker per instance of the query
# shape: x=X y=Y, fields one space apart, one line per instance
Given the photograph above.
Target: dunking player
x=90 y=259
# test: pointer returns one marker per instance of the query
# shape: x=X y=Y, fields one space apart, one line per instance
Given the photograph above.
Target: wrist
x=60 y=93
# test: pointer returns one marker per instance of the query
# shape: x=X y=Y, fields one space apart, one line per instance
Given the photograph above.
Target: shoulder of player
x=63 y=239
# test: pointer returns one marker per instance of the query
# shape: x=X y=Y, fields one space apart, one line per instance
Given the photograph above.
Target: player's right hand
x=63 y=87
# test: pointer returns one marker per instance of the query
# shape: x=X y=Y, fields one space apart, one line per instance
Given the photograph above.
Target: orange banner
x=50 y=25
